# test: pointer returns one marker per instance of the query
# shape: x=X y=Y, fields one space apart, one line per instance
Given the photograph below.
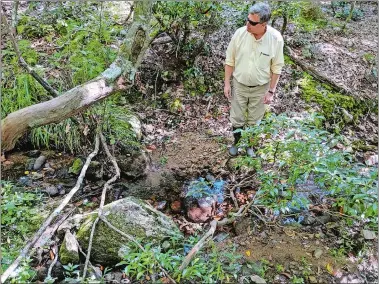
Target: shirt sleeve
x=231 y=51
x=277 y=61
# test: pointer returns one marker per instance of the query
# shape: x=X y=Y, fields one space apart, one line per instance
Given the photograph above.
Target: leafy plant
x=291 y=150
x=72 y=272
x=210 y=267
x=20 y=218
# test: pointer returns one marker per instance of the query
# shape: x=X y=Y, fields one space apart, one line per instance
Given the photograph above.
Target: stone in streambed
x=132 y=216
x=39 y=162
x=69 y=251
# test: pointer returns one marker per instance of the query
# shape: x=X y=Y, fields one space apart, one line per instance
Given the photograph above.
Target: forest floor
x=194 y=142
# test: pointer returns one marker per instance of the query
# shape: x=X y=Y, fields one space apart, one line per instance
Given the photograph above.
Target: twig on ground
x=23 y=63
x=55 y=251
x=207 y=236
x=129 y=237
x=52 y=216
x=199 y=245
x=103 y=194
x=89 y=262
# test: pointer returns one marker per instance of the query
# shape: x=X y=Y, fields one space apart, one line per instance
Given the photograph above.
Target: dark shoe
x=233 y=151
x=237 y=135
x=250 y=152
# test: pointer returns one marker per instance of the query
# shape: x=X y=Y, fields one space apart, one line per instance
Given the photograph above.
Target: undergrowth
x=295 y=149
x=21 y=216
x=210 y=266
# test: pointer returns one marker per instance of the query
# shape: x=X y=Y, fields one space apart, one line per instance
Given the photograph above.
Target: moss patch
x=334 y=105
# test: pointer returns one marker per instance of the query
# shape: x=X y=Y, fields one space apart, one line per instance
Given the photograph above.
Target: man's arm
x=228 y=75
x=274 y=82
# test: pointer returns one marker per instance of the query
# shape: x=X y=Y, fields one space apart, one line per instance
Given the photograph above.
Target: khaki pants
x=247 y=104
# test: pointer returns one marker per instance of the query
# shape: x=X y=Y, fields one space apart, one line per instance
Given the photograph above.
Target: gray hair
x=261 y=9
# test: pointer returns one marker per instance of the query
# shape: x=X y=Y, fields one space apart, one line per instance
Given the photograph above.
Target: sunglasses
x=252 y=23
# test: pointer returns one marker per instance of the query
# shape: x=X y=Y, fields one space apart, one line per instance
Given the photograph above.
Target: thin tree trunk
x=81 y=97
x=284 y=26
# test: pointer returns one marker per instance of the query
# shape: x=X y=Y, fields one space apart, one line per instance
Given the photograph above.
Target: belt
x=252 y=86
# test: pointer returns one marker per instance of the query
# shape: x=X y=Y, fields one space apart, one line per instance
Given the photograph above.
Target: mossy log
x=81 y=97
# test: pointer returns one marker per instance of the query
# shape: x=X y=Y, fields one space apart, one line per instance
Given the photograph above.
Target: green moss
x=76 y=166
x=333 y=103
x=288 y=61
x=66 y=256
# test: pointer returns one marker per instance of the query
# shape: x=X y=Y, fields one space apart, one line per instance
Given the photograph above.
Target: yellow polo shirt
x=254 y=60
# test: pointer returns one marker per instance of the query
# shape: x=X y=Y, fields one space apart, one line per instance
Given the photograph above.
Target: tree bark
x=81 y=97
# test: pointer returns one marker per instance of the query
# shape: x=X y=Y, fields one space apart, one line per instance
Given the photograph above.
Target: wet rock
x=130 y=215
x=368 y=235
x=69 y=251
x=134 y=166
x=25 y=181
x=30 y=164
x=36 y=176
x=39 y=162
x=51 y=190
x=308 y=220
x=62 y=173
x=34 y=153
x=113 y=277
x=95 y=171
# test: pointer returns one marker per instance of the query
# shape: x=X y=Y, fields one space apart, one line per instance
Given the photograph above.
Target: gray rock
x=36 y=176
x=257 y=279
x=39 y=162
x=132 y=216
x=51 y=190
x=113 y=277
x=134 y=166
x=25 y=181
x=368 y=235
x=69 y=251
x=312 y=279
x=95 y=171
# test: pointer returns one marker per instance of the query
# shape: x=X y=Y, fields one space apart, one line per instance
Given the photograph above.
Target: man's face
x=253 y=27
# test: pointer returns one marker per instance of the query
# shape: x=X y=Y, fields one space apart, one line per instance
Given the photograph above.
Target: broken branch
x=52 y=216
x=106 y=186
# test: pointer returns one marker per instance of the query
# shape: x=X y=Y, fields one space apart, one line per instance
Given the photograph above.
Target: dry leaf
x=52 y=255
x=329 y=268
x=248 y=253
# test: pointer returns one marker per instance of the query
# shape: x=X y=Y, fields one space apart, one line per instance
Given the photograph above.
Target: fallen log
x=132 y=50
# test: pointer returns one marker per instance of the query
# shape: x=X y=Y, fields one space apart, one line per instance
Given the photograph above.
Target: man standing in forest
x=255 y=59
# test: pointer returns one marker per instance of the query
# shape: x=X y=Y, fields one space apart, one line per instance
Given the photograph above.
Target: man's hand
x=268 y=98
x=228 y=91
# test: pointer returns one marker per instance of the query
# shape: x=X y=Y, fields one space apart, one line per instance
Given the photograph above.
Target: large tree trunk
x=79 y=98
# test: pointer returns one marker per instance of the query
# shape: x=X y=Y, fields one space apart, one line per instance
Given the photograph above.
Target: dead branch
x=130 y=13
x=23 y=63
x=199 y=245
x=102 y=201
x=53 y=215
x=55 y=250
x=136 y=242
x=90 y=264
x=208 y=235
x=311 y=70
